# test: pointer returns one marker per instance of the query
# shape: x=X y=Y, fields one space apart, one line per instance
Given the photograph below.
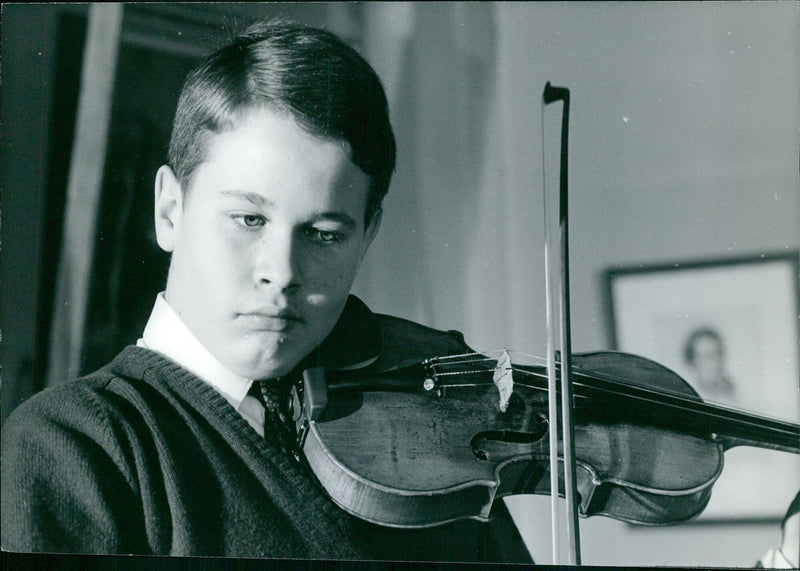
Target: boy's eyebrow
x=336 y=216
x=253 y=197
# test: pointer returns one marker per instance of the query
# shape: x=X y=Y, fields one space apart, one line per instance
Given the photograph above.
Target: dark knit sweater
x=143 y=457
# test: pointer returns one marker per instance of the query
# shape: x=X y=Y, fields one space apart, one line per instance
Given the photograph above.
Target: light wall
x=683 y=146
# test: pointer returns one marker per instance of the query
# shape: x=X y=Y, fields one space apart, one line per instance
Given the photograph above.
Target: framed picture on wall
x=729 y=327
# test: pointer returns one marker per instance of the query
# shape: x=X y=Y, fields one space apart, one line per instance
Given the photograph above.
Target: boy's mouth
x=271 y=320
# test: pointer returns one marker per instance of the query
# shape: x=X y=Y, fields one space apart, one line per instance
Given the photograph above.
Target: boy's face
x=265 y=243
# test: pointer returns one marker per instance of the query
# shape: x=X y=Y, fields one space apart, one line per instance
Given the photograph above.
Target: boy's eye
x=251 y=220
x=324 y=236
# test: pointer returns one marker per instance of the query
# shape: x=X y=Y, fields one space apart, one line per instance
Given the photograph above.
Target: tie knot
x=273 y=395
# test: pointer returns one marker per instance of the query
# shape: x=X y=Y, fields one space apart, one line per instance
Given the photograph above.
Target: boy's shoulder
x=90 y=397
x=405 y=339
x=363 y=338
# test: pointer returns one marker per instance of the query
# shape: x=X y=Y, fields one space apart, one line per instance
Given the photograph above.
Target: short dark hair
x=289 y=67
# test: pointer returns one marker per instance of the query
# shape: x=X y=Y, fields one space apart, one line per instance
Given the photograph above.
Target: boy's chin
x=268 y=367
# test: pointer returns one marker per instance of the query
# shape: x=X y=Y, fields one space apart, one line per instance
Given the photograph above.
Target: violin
x=443 y=438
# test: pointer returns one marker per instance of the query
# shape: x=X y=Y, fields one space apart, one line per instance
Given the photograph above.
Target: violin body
x=393 y=452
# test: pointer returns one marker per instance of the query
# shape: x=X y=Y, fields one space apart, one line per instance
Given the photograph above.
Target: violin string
x=655 y=401
x=622 y=386
x=699 y=407
x=647 y=395
x=691 y=404
x=461 y=373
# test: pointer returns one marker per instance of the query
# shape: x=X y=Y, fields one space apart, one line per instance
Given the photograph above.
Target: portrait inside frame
x=729 y=327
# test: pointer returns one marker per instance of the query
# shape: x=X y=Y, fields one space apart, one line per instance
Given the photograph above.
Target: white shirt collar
x=167 y=334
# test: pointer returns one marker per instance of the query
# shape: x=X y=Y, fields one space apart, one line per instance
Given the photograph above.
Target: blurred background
x=684 y=138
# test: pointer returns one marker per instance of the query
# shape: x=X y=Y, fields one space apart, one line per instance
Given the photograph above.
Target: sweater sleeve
x=65 y=488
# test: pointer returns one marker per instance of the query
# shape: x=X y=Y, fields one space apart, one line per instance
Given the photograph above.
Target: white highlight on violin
x=504 y=379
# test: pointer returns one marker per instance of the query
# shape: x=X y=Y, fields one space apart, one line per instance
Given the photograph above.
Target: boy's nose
x=276 y=263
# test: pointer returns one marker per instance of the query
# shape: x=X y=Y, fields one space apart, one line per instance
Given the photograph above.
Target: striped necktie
x=279 y=428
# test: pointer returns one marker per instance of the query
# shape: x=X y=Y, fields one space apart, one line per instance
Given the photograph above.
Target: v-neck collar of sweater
x=167 y=376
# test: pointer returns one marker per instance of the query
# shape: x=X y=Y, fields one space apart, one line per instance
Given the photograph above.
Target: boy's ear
x=168 y=207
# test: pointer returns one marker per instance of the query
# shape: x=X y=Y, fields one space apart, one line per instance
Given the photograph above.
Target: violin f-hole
x=495 y=445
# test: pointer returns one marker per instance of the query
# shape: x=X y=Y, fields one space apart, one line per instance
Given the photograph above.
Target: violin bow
x=550 y=95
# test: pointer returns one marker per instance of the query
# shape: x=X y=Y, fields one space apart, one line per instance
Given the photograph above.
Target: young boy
x=281 y=153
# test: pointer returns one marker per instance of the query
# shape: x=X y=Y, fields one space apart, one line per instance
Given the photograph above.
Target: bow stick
x=550 y=95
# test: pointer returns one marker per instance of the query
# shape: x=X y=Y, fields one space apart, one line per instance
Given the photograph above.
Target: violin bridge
x=503 y=379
